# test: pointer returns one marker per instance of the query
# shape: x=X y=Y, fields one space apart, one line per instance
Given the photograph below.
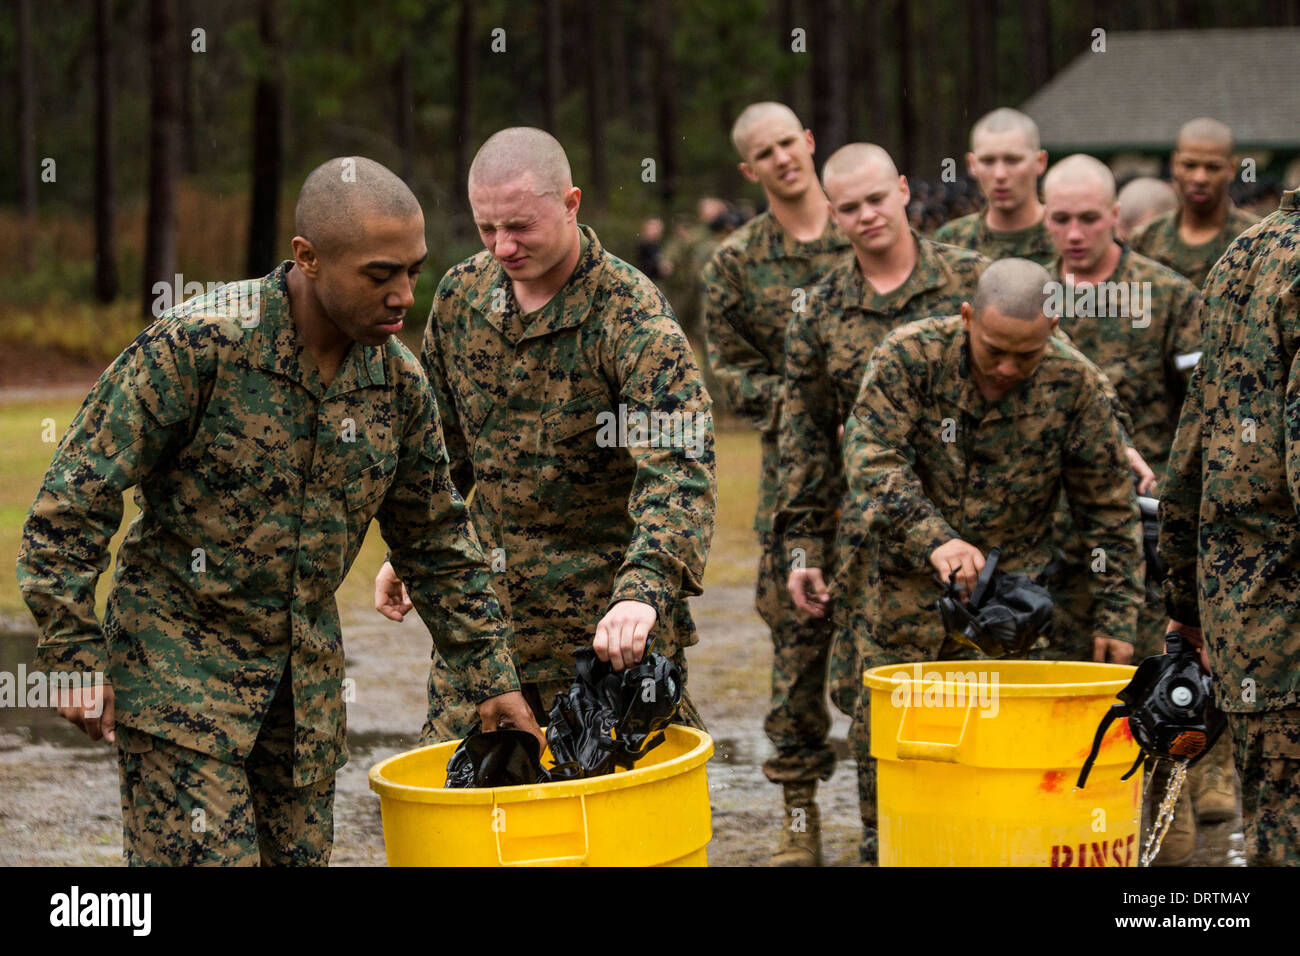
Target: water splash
x=1165 y=815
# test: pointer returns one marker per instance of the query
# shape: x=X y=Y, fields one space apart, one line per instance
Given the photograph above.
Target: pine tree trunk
x=466 y=67
x=26 y=112
x=551 y=78
x=661 y=39
x=267 y=148
x=105 y=251
x=164 y=151
x=595 y=83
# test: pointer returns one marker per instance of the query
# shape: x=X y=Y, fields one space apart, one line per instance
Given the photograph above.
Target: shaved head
x=1014 y=287
x=757 y=113
x=1142 y=200
x=850 y=158
x=1006 y=120
x=341 y=192
x=1204 y=131
x=1081 y=168
x=522 y=150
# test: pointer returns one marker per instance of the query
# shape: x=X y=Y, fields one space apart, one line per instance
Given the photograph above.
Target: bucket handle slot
x=572 y=859
x=913 y=749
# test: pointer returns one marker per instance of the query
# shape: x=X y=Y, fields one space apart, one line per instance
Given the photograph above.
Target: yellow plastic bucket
x=977 y=763
x=656 y=814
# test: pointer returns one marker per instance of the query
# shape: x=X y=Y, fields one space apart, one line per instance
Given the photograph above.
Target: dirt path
x=59 y=799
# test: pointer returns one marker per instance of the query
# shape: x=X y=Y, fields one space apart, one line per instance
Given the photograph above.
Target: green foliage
x=338 y=63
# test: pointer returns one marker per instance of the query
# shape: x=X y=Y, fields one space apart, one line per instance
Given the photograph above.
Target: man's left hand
x=509 y=712
x=1108 y=649
x=621 y=634
x=1146 y=477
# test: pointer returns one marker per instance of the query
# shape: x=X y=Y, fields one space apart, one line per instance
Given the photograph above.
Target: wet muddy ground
x=59 y=797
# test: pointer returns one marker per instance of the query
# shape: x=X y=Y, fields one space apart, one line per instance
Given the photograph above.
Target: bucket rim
x=884 y=677
x=697 y=756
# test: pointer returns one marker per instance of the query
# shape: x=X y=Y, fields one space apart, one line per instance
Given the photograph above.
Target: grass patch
x=22 y=468
x=733 y=557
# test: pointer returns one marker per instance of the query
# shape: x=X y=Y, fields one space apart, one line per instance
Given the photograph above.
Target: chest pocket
x=579 y=450
x=589 y=410
x=218 y=496
x=365 y=492
x=1014 y=472
x=473 y=405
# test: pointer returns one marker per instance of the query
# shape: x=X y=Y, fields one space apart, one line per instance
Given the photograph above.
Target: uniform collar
x=956 y=384
x=1290 y=199
x=775 y=243
x=568 y=309
x=1226 y=231
x=929 y=273
x=1125 y=255
x=278 y=348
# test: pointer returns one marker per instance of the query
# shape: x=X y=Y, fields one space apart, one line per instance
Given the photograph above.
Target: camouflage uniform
x=689 y=254
x=1159 y=240
x=827 y=348
x=973 y=232
x=1138 y=355
x=927 y=459
x=256 y=484
x=759 y=279
x=1229 y=527
x=574 y=516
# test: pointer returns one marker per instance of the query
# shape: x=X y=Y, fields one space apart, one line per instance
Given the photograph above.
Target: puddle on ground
x=746 y=806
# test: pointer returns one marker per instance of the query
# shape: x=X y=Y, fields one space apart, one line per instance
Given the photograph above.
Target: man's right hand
x=1193 y=636
x=84 y=707
x=808 y=591
x=391 y=599
x=509 y=712
x=1109 y=649
x=964 y=559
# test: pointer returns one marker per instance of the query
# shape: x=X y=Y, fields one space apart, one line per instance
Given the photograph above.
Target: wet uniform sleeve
x=143 y=409
x=752 y=386
x=1099 y=492
x=453 y=435
x=809 y=444
x=1122 y=417
x=436 y=553
x=1180 y=507
x=879 y=464
x=1183 y=342
x=674 y=490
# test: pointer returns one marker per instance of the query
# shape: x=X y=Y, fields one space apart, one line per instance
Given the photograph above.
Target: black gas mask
x=1170 y=708
x=1005 y=615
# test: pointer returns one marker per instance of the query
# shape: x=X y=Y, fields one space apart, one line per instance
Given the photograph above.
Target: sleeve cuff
x=85 y=656
x=921 y=540
x=505 y=681
x=1182 y=610
x=1118 y=623
x=814 y=552
x=648 y=587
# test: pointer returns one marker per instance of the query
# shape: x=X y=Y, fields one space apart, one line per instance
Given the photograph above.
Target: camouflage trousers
x=185 y=808
x=860 y=745
x=453 y=714
x=798 y=722
x=1266 y=750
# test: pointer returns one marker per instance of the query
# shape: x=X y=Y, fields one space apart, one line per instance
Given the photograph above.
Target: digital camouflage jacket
x=256 y=485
